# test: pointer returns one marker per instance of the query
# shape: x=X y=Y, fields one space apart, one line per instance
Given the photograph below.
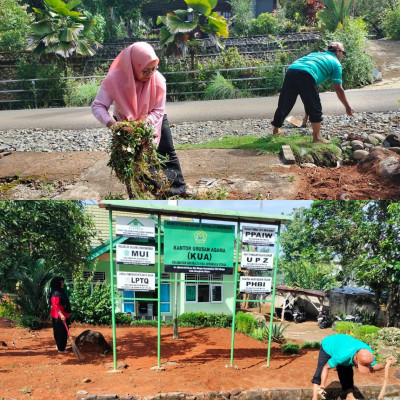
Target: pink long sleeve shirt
x=103 y=101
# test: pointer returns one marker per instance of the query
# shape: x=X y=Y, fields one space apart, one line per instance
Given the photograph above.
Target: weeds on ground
x=324 y=155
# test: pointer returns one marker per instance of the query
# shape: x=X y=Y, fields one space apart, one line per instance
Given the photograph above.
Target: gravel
x=98 y=139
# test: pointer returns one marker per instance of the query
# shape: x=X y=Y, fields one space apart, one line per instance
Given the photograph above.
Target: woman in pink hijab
x=138 y=92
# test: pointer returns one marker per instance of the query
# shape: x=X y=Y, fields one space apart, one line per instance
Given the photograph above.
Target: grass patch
x=324 y=155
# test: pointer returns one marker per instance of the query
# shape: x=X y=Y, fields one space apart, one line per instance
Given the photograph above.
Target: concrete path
x=214 y=110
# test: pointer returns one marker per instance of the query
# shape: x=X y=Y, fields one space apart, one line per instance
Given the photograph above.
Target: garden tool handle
x=66 y=327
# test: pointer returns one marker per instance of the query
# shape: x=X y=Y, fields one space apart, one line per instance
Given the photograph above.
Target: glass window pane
x=203 y=294
x=217 y=293
x=190 y=293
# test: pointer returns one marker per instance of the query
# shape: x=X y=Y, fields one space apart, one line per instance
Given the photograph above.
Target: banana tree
x=335 y=14
x=62 y=31
x=181 y=28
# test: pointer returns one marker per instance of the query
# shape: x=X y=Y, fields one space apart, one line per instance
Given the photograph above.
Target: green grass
x=322 y=154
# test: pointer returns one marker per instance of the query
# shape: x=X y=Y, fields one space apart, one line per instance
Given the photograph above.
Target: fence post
x=34 y=93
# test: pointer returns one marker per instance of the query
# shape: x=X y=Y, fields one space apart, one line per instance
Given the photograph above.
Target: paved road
x=260 y=107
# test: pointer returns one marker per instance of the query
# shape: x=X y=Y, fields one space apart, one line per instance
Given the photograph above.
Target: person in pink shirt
x=138 y=92
x=59 y=313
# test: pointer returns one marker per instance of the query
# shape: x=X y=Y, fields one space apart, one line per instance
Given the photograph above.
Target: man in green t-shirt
x=302 y=78
x=343 y=352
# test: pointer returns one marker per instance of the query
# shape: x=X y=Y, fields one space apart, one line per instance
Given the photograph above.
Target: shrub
x=260 y=334
x=390 y=336
x=310 y=345
x=123 y=319
x=220 y=89
x=364 y=331
x=8 y=310
x=245 y=323
x=391 y=22
x=344 y=327
x=30 y=321
x=264 y=24
x=204 y=319
x=357 y=65
x=290 y=348
x=92 y=307
x=81 y=94
x=49 y=90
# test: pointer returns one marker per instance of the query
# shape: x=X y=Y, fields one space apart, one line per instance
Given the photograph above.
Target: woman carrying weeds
x=138 y=92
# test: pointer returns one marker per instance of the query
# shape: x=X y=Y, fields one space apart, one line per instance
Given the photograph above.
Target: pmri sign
x=258 y=236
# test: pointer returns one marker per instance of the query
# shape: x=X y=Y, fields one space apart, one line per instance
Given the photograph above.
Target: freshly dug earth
x=196 y=363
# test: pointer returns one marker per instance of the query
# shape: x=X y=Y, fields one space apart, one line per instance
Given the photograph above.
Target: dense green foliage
x=290 y=348
x=14 y=23
x=363 y=238
x=220 y=88
x=50 y=87
x=245 y=322
x=90 y=303
x=205 y=319
x=8 y=310
x=344 y=327
x=391 y=22
x=242 y=15
x=357 y=65
x=81 y=94
x=335 y=14
x=264 y=24
x=310 y=345
x=55 y=231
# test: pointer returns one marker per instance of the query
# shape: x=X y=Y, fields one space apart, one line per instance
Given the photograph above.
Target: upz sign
x=140 y=228
x=198 y=248
x=135 y=255
x=258 y=236
x=257 y=261
x=136 y=281
x=255 y=284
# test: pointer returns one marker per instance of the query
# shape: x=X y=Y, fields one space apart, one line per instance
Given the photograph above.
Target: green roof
x=190 y=212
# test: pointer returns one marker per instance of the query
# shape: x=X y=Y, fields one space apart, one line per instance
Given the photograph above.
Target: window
x=129 y=305
x=203 y=292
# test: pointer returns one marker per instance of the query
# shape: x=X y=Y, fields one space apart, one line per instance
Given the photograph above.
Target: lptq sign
x=136 y=281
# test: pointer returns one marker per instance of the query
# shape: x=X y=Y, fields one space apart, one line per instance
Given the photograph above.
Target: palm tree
x=33 y=278
x=335 y=14
x=62 y=31
x=181 y=28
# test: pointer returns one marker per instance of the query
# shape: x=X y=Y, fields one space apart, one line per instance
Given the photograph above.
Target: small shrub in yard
x=364 y=331
x=310 y=345
x=260 y=334
x=81 y=94
x=344 y=327
x=390 y=336
x=8 y=310
x=204 y=319
x=220 y=89
x=245 y=323
x=290 y=348
x=30 y=321
x=391 y=22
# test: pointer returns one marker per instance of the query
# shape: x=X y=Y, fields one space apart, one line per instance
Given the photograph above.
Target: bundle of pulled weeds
x=135 y=161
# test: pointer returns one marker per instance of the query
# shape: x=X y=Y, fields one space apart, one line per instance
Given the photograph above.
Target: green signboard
x=198 y=248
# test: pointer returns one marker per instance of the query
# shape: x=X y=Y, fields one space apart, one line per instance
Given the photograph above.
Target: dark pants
x=60 y=333
x=172 y=167
x=298 y=82
x=345 y=374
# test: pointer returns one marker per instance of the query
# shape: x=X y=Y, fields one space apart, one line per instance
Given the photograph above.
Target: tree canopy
x=56 y=231
x=362 y=237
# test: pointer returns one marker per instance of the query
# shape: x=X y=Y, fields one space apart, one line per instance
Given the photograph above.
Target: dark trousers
x=345 y=374
x=298 y=82
x=60 y=333
x=172 y=167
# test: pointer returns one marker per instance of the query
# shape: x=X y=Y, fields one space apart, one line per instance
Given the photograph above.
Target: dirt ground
x=30 y=367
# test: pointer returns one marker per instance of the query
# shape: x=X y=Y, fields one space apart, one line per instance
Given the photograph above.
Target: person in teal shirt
x=343 y=352
x=302 y=78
